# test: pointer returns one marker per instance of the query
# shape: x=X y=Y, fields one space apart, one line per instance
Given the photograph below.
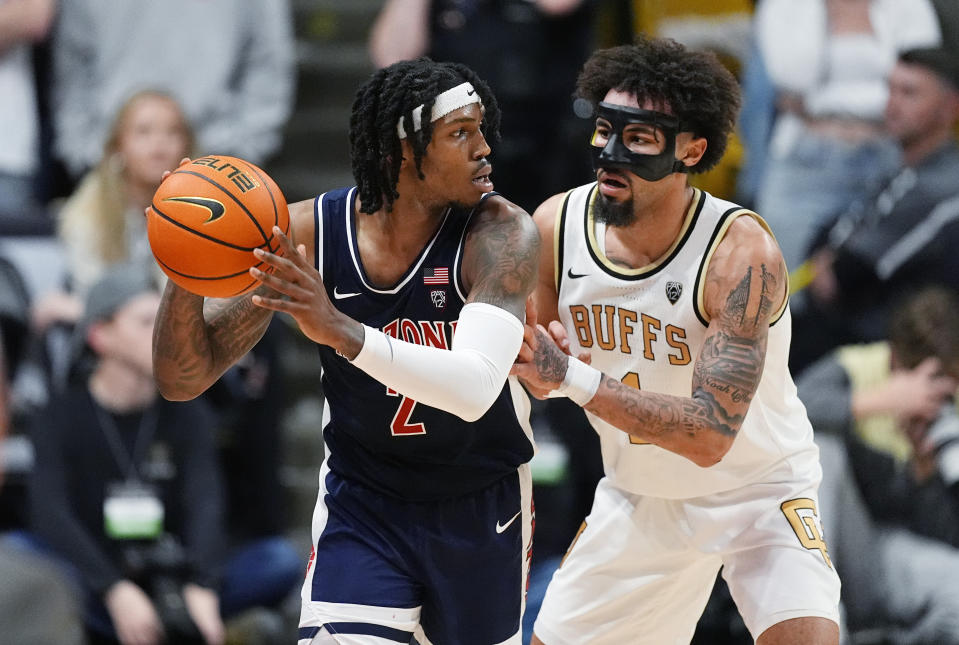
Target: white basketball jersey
x=646 y=327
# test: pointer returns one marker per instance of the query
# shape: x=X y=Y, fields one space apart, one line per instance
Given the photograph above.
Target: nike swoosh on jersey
x=216 y=208
x=341 y=296
x=573 y=276
x=502 y=527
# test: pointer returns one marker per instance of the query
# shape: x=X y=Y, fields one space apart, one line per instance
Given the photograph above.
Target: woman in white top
x=829 y=61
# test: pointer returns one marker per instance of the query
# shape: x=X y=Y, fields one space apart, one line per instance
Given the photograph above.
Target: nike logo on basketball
x=341 y=296
x=216 y=208
x=502 y=527
x=573 y=276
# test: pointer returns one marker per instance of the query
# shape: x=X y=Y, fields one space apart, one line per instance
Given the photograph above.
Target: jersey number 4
x=632 y=380
x=400 y=426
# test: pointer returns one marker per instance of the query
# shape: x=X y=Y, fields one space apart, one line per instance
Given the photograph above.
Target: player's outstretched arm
x=745 y=286
x=195 y=340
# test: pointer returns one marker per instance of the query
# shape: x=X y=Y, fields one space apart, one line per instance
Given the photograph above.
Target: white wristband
x=581 y=382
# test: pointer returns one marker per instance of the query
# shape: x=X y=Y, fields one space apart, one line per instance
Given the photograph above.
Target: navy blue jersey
x=376 y=436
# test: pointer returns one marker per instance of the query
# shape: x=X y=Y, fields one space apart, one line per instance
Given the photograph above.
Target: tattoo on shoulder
x=737 y=303
x=505 y=256
x=766 y=303
x=738 y=298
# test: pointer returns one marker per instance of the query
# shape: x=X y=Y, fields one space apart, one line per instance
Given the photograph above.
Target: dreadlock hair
x=693 y=85
x=387 y=96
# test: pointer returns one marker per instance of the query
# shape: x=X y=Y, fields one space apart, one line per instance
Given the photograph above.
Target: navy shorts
x=385 y=570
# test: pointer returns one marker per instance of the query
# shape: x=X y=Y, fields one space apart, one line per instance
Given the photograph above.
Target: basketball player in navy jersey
x=679 y=298
x=423 y=524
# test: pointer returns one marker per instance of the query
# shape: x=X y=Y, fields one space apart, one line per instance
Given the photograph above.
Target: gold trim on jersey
x=611 y=267
x=720 y=234
x=582 y=527
x=557 y=240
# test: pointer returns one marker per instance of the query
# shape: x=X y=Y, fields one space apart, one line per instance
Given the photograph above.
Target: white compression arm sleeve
x=464 y=380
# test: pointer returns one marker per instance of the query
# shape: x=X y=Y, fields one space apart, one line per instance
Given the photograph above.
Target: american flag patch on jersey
x=436 y=276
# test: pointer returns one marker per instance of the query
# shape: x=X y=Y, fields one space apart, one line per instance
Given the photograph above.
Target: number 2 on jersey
x=400 y=426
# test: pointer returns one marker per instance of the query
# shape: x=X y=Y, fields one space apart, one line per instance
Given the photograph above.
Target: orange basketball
x=206 y=218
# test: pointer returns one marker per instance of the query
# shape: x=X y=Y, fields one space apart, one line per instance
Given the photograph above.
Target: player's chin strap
x=444 y=103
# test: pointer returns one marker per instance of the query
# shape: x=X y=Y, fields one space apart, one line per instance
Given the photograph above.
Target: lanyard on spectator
x=145 y=431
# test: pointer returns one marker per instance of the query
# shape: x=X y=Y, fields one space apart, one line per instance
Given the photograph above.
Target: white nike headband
x=452 y=99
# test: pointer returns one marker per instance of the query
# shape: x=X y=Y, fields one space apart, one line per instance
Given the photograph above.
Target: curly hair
x=387 y=96
x=692 y=85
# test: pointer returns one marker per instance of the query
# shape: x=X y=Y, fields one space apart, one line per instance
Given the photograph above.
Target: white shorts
x=642 y=568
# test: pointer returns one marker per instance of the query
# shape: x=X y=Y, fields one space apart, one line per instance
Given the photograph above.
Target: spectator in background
x=102 y=223
x=886 y=421
x=228 y=62
x=126 y=487
x=902 y=236
x=110 y=453
x=22 y=22
x=829 y=61
x=512 y=44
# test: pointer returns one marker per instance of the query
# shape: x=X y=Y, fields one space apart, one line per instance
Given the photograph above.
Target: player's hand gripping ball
x=206 y=218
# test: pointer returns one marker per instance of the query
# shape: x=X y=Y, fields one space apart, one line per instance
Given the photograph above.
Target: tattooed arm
x=195 y=340
x=745 y=285
x=500 y=256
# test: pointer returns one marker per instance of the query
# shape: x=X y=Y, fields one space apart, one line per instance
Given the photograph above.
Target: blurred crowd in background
x=846 y=146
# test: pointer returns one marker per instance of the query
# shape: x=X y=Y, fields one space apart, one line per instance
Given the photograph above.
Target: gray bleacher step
x=340 y=20
x=330 y=73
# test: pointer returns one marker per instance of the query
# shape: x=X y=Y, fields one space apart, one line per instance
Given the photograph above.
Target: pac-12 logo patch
x=673 y=291
x=438 y=296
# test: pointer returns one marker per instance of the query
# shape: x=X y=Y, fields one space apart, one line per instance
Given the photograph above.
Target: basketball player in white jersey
x=680 y=300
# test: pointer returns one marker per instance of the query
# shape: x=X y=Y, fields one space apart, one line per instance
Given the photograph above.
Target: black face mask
x=615 y=154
